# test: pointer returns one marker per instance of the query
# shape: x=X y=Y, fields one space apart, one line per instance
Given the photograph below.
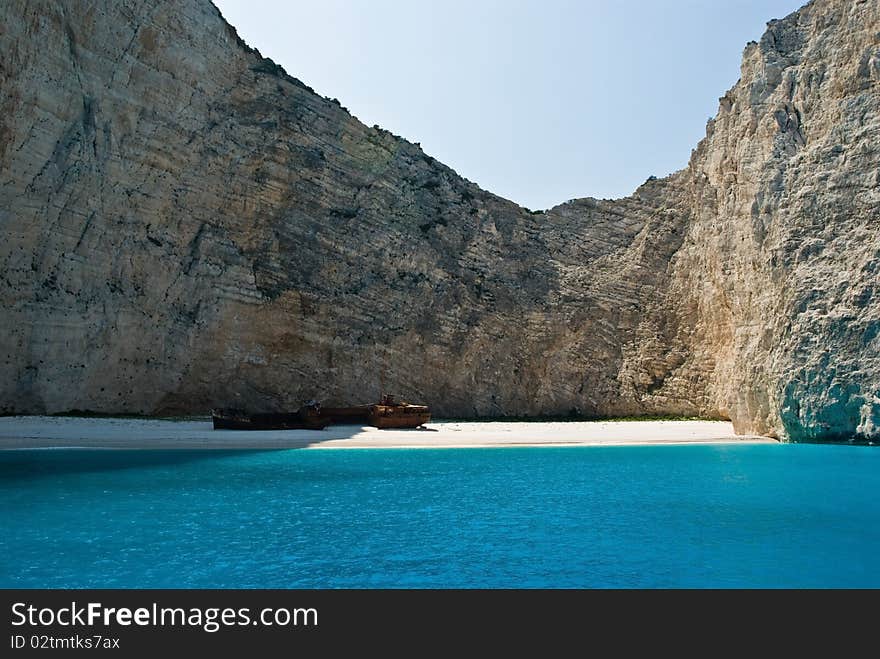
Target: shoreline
x=43 y=432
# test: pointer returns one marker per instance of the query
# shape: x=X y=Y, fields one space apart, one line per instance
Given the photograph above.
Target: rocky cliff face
x=781 y=260
x=185 y=225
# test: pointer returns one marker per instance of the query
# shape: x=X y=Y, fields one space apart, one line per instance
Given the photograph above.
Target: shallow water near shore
x=644 y=516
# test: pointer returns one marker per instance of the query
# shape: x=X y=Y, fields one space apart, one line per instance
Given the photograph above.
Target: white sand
x=57 y=432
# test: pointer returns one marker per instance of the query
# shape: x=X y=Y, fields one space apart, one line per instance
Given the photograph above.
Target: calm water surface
x=683 y=516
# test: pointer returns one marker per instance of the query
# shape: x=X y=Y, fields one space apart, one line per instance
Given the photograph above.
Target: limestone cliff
x=185 y=225
x=782 y=259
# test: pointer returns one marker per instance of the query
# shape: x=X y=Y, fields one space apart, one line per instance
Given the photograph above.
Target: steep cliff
x=781 y=260
x=185 y=225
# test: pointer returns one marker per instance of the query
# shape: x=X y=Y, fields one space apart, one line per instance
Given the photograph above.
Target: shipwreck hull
x=238 y=420
x=379 y=416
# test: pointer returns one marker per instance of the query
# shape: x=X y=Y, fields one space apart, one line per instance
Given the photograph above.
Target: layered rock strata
x=185 y=225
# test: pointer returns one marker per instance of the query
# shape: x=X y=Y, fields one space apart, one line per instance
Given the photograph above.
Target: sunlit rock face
x=784 y=250
x=185 y=225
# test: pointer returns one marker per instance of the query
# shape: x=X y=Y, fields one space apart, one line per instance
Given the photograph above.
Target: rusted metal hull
x=379 y=416
x=388 y=413
x=403 y=416
x=226 y=419
x=347 y=415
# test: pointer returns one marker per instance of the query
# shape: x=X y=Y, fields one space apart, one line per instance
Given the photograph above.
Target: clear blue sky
x=539 y=101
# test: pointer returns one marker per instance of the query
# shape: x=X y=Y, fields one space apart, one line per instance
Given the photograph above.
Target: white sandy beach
x=66 y=432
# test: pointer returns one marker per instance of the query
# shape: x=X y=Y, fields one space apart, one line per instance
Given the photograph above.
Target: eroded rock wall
x=782 y=256
x=185 y=225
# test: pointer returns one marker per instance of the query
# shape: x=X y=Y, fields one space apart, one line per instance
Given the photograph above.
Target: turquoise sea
x=631 y=517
